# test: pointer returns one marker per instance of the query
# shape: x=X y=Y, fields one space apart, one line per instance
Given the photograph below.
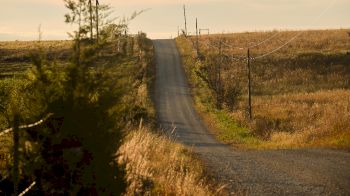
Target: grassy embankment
x=300 y=94
x=154 y=164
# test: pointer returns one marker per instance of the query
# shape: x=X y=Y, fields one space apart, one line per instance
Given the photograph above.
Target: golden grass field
x=15 y=56
x=157 y=166
x=300 y=94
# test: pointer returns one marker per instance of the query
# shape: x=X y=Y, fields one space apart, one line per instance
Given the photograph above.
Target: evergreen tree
x=75 y=149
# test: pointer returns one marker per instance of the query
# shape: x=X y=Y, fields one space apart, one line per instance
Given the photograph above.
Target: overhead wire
x=297 y=35
x=268 y=39
x=233 y=58
x=255 y=44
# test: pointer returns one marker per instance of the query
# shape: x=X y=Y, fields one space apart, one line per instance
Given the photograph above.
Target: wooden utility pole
x=15 y=153
x=218 y=83
x=91 y=27
x=96 y=9
x=348 y=51
x=249 y=88
x=185 y=20
x=197 y=39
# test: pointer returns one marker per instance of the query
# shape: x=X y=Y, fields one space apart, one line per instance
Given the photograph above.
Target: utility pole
x=97 y=33
x=90 y=12
x=197 y=39
x=249 y=88
x=219 y=90
x=349 y=51
x=185 y=20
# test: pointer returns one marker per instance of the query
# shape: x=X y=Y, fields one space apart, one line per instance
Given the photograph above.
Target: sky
x=20 y=19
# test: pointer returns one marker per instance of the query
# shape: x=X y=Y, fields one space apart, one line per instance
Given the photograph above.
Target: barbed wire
x=27 y=189
x=26 y=126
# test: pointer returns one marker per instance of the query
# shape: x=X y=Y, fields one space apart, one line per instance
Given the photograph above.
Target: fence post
x=15 y=153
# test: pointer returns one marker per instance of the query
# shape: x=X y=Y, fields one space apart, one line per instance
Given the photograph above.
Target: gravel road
x=265 y=172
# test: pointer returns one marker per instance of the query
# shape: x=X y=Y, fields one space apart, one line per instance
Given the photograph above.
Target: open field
x=15 y=56
x=300 y=94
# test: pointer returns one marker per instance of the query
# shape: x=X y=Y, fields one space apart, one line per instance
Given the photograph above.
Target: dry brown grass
x=5 y=154
x=323 y=41
x=15 y=56
x=300 y=93
x=298 y=120
x=157 y=166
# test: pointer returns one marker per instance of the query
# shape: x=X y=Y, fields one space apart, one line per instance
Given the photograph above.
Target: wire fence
x=3 y=132
x=27 y=189
x=9 y=130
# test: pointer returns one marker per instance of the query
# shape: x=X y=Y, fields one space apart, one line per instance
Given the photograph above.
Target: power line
x=231 y=57
x=274 y=35
x=297 y=35
x=268 y=39
x=280 y=47
x=255 y=45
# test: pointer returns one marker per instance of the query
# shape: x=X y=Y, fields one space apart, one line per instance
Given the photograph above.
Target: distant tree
x=118 y=33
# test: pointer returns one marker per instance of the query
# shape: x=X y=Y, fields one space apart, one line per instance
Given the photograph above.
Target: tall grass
x=302 y=119
x=157 y=166
x=5 y=156
x=300 y=93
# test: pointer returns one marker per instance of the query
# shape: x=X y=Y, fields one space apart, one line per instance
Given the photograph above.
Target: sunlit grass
x=300 y=93
x=157 y=166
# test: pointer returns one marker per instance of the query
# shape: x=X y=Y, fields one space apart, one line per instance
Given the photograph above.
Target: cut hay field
x=15 y=56
x=300 y=93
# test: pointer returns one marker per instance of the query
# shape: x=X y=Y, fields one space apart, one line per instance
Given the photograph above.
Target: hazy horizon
x=20 y=20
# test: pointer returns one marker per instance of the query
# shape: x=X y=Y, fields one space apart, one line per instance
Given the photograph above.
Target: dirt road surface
x=266 y=172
